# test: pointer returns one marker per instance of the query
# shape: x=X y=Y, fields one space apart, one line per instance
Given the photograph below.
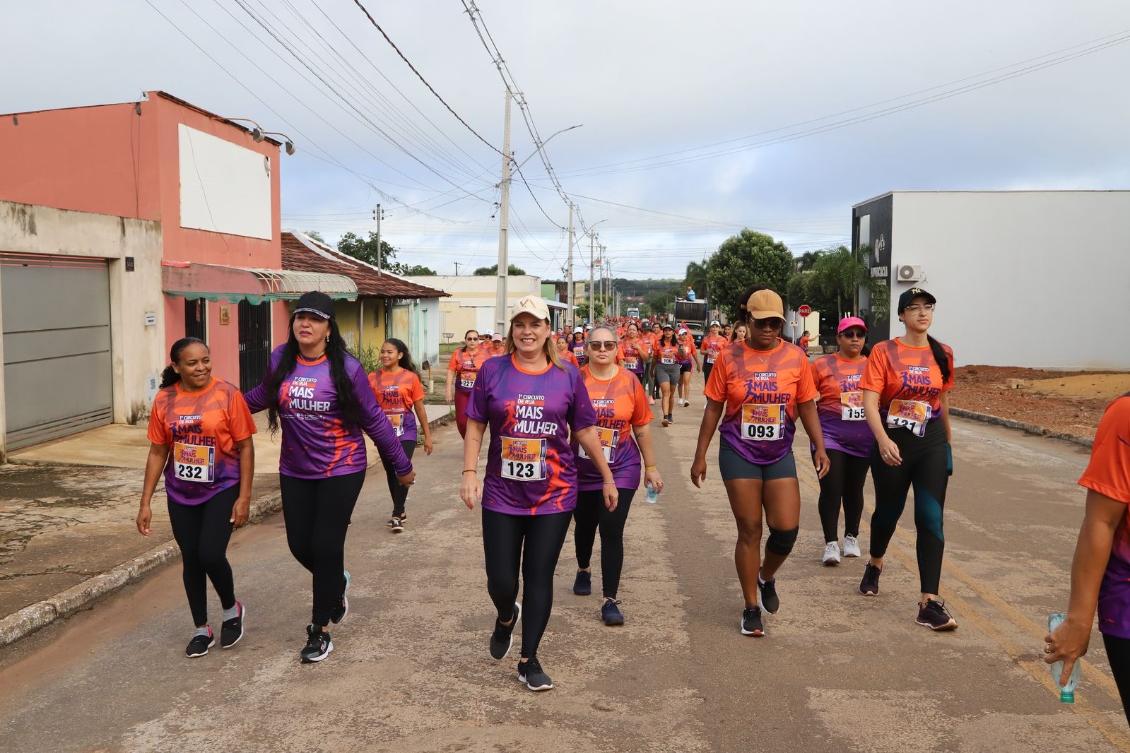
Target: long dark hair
x=663 y=337
x=941 y=357
x=169 y=376
x=337 y=354
x=405 y=361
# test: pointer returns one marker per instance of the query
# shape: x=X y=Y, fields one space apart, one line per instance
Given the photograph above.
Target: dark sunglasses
x=603 y=344
x=854 y=334
x=772 y=323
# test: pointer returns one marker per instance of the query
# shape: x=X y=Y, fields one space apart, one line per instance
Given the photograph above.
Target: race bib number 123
x=523 y=459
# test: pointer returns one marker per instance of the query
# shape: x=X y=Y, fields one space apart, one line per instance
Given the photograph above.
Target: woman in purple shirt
x=320 y=395
x=532 y=403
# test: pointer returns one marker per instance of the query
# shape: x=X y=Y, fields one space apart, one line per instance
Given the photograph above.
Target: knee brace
x=781 y=542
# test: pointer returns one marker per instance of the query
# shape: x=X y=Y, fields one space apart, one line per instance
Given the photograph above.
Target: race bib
x=192 y=462
x=851 y=406
x=911 y=415
x=397 y=421
x=467 y=380
x=523 y=459
x=762 y=423
x=609 y=438
x=631 y=364
x=667 y=361
x=710 y=359
x=578 y=352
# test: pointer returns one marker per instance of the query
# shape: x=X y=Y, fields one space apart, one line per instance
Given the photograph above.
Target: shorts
x=734 y=466
x=667 y=373
x=684 y=368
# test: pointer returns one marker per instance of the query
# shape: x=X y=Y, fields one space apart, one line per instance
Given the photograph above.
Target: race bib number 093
x=523 y=459
x=762 y=423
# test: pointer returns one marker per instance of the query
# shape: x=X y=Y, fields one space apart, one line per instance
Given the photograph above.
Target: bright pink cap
x=851 y=321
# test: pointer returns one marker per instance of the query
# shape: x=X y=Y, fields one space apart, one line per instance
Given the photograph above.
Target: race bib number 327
x=762 y=423
x=523 y=459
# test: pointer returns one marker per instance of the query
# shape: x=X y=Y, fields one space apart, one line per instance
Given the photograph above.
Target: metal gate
x=57 y=366
x=196 y=318
x=254 y=343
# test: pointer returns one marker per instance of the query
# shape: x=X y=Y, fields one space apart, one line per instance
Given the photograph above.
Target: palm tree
x=839 y=274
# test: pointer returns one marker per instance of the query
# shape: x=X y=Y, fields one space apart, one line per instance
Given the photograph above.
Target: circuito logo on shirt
x=301 y=392
x=604 y=408
x=529 y=412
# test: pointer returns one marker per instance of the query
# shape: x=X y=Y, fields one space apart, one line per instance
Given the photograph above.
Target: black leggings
x=844 y=482
x=532 y=542
x=316 y=513
x=202 y=532
x=398 y=490
x=591 y=514
x=924 y=468
x=1118 y=655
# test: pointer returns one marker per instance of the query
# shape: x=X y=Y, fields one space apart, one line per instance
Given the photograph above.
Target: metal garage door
x=56 y=314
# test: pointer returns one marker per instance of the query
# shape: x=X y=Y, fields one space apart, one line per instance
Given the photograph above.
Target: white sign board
x=224 y=187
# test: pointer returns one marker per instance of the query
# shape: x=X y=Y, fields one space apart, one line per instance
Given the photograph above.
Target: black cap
x=908 y=297
x=316 y=302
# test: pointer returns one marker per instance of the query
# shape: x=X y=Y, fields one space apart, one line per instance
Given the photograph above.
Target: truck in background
x=695 y=314
x=633 y=313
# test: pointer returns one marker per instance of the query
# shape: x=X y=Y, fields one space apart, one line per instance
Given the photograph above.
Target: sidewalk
x=67 y=512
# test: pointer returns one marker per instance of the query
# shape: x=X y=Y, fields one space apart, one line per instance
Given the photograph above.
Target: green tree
x=838 y=275
x=660 y=302
x=492 y=270
x=696 y=278
x=366 y=249
x=315 y=235
x=414 y=270
x=582 y=311
x=743 y=260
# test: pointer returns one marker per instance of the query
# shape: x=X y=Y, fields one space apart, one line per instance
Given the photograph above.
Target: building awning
x=555 y=304
x=215 y=282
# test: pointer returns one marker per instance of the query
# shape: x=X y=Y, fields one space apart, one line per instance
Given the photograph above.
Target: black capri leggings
x=923 y=468
x=398 y=490
x=1118 y=655
x=202 y=533
x=843 y=483
x=316 y=513
x=532 y=542
x=592 y=514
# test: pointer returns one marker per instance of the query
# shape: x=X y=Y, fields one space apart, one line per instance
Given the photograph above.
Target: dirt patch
x=1063 y=402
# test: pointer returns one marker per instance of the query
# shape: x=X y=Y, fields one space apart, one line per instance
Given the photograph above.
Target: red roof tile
x=305 y=254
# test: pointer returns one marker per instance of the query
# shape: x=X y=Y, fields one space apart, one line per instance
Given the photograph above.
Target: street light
x=592 y=243
x=289 y=145
x=556 y=133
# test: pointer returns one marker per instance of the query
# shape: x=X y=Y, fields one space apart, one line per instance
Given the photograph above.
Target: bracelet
x=649 y=467
x=613 y=482
x=470 y=470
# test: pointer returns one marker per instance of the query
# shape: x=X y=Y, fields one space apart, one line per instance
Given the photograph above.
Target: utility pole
x=378 y=215
x=457 y=268
x=503 y=218
x=569 y=290
x=592 y=286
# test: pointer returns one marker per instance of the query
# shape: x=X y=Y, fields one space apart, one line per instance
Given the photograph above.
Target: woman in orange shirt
x=461 y=374
x=400 y=394
x=635 y=352
x=667 y=372
x=906 y=401
x=565 y=354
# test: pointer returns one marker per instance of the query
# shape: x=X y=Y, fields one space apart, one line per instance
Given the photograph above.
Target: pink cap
x=851 y=321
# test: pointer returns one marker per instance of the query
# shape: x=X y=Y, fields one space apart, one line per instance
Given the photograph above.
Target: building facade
x=472 y=301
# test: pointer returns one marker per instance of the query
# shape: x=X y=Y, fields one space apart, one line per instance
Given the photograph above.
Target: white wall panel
x=224 y=187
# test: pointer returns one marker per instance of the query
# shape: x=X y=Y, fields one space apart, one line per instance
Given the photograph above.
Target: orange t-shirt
x=712 y=345
x=620 y=403
x=666 y=354
x=566 y=356
x=908 y=374
x=634 y=353
x=396 y=393
x=201 y=429
x=467 y=365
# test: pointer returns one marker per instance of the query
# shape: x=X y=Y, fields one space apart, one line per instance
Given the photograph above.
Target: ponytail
x=169 y=376
x=405 y=361
x=941 y=357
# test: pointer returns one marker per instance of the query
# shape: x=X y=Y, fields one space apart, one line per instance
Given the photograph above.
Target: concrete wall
x=138 y=352
x=472 y=301
x=1038 y=279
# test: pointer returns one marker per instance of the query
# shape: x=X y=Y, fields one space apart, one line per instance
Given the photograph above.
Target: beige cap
x=530 y=304
x=765 y=304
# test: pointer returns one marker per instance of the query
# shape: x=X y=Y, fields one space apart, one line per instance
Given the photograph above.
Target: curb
x=1021 y=426
x=43 y=613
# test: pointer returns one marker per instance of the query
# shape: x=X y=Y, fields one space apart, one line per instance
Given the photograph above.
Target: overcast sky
x=706 y=110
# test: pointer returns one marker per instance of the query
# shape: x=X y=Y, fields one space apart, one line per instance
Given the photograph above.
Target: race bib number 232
x=194 y=463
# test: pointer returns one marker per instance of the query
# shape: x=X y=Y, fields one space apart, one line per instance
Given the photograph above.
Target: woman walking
x=906 y=401
x=622 y=416
x=200 y=433
x=667 y=372
x=400 y=394
x=532 y=404
x=577 y=345
x=688 y=360
x=461 y=373
x=320 y=395
x=635 y=352
x=847 y=438
x=761 y=385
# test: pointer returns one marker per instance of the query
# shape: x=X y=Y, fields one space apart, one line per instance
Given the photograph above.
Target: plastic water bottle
x=1066 y=692
x=652 y=494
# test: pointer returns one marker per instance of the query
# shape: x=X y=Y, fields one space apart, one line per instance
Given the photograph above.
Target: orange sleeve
x=875 y=375
x=415 y=390
x=719 y=376
x=455 y=362
x=240 y=424
x=642 y=413
x=806 y=387
x=1108 y=473
x=157 y=432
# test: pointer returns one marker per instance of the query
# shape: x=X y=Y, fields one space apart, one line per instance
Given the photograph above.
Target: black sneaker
x=751 y=622
x=531 y=674
x=666 y=420
x=934 y=615
x=200 y=644
x=318 y=645
x=232 y=630
x=503 y=636
x=343 y=608
x=869 y=586
x=611 y=613
x=767 y=597
x=396 y=524
x=582 y=586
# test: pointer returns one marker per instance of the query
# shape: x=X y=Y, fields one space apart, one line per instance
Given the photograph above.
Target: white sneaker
x=831 y=554
x=851 y=546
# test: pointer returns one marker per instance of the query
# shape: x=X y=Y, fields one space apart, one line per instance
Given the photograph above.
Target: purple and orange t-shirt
x=840 y=406
x=620 y=404
x=530 y=463
x=1108 y=473
x=579 y=350
x=201 y=430
x=466 y=365
x=761 y=390
x=634 y=354
x=316 y=441
x=396 y=392
x=712 y=345
x=909 y=383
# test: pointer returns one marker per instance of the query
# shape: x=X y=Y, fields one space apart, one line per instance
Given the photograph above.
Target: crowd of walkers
x=569 y=418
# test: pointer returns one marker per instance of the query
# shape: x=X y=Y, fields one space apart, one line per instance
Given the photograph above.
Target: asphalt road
x=836 y=672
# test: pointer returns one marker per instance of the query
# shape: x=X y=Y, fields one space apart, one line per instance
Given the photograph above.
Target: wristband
x=470 y=470
x=649 y=467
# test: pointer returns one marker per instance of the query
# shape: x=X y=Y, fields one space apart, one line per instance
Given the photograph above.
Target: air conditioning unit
x=910 y=273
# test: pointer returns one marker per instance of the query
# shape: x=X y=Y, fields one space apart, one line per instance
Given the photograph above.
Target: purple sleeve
x=256 y=397
x=375 y=423
x=477 y=405
x=581 y=413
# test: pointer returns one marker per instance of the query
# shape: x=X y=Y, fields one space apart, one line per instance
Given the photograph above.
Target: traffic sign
x=804 y=310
